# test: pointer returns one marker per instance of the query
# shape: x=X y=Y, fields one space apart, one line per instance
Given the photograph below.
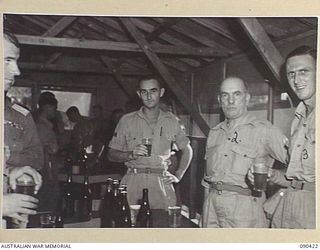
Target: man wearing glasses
x=149 y=169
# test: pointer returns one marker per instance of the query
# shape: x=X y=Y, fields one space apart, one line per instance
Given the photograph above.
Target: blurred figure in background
x=82 y=133
x=49 y=194
x=100 y=125
x=113 y=122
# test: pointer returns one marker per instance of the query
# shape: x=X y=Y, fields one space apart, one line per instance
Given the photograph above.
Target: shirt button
x=245 y=155
x=298 y=145
x=229 y=139
x=304 y=125
x=225 y=155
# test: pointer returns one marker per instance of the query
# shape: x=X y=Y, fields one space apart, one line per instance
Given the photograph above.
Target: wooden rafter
x=114 y=46
x=200 y=39
x=161 y=28
x=169 y=79
x=214 y=27
x=60 y=26
x=81 y=68
x=266 y=48
x=116 y=74
x=55 y=30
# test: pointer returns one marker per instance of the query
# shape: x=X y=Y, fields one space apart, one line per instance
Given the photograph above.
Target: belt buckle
x=135 y=171
x=148 y=170
x=219 y=187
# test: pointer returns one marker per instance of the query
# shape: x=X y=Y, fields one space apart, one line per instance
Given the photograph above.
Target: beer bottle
x=85 y=202
x=68 y=164
x=124 y=219
x=115 y=198
x=82 y=161
x=68 y=199
x=144 y=218
x=106 y=213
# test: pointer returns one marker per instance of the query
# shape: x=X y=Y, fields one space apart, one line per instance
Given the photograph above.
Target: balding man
x=233 y=146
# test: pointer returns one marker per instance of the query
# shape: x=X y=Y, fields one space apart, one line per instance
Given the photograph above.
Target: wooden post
x=267 y=50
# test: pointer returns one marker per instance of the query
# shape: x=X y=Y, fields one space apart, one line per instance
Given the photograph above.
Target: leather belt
x=220 y=186
x=301 y=185
x=145 y=170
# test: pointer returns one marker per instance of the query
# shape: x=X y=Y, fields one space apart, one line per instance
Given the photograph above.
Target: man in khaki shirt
x=23 y=152
x=233 y=146
x=297 y=204
x=150 y=171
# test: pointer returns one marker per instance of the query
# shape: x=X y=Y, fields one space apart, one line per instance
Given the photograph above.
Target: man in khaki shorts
x=233 y=146
x=150 y=171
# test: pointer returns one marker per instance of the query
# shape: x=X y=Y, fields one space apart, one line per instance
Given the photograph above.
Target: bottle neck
x=145 y=198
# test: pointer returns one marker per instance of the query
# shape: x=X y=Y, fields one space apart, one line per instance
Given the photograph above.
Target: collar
x=162 y=114
x=243 y=120
x=301 y=111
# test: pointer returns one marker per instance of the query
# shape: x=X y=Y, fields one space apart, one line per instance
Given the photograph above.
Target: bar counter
x=160 y=220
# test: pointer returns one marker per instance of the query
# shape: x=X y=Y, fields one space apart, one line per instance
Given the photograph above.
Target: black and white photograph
x=159 y=122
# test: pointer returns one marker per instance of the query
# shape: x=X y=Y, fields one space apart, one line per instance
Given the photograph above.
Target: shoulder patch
x=20 y=109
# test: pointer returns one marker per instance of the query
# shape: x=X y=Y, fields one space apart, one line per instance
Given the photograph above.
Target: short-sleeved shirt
x=302 y=146
x=133 y=127
x=231 y=152
x=20 y=134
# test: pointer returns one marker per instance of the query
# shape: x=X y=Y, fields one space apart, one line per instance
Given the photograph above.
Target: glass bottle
x=85 y=202
x=115 y=198
x=124 y=219
x=107 y=206
x=144 y=218
x=68 y=198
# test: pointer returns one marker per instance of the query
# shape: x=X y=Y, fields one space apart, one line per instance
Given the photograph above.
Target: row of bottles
x=114 y=209
x=80 y=205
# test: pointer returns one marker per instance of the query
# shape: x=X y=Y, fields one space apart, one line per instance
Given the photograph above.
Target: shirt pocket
x=243 y=158
x=166 y=143
x=308 y=155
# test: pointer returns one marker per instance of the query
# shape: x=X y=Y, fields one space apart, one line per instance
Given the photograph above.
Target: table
x=160 y=220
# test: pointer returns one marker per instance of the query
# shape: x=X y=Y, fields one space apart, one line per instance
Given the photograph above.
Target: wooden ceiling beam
x=114 y=46
x=214 y=27
x=169 y=79
x=161 y=28
x=81 y=68
x=60 y=26
x=201 y=40
x=116 y=74
x=266 y=49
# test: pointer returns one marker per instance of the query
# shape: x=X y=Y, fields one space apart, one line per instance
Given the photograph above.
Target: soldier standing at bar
x=20 y=139
x=144 y=171
x=233 y=146
x=297 y=205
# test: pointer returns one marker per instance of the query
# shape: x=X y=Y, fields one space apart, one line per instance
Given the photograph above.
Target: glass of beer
x=148 y=143
x=26 y=186
x=260 y=173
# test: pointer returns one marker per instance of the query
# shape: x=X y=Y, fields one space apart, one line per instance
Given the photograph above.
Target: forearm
x=184 y=163
x=278 y=177
x=119 y=156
